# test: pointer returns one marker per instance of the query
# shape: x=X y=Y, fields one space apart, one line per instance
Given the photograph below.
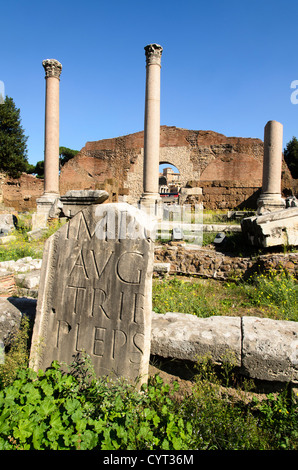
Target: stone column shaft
x=152 y=122
x=270 y=199
x=273 y=135
x=51 y=151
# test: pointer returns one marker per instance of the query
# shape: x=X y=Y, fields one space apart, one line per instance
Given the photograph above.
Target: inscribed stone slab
x=95 y=292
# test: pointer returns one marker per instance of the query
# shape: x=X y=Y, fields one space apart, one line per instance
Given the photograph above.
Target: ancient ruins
x=95 y=281
x=274 y=224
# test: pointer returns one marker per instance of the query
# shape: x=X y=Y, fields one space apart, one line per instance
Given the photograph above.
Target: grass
x=276 y=292
x=274 y=296
x=218 y=217
x=22 y=247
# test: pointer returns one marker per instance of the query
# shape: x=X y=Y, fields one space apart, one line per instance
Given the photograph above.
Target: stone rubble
x=276 y=228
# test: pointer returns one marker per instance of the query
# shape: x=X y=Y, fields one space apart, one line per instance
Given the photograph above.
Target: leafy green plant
x=51 y=410
x=279 y=414
x=21 y=246
x=66 y=408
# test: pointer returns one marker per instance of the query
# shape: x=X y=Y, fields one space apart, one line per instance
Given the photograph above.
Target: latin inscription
x=95 y=293
x=113 y=319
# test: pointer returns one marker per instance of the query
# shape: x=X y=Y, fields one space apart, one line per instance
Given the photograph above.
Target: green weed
x=179 y=295
x=271 y=296
x=276 y=292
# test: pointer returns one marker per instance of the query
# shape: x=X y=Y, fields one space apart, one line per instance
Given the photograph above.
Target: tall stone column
x=150 y=194
x=270 y=199
x=48 y=203
x=51 y=145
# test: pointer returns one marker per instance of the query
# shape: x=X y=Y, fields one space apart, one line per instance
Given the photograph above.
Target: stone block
x=272 y=229
x=8 y=222
x=270 y=349
x=76 y=200
x=162 y=268
x=7 y=239
x=39 y=222
x=10 y=318
x=187 y=337
x=28 y=280
x=37 y=233
x=95 y=292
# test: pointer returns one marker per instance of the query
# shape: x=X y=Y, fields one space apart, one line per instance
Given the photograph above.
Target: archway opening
x=169 y=180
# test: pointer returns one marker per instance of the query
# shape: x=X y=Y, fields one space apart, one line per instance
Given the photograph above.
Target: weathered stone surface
x=184 y=336
x=161 y=268
x=7 y=239
x=95 y=292
x=8 y=222
x=28 y=280
x=76 y=200
x=264 y=349
x=21 y=265
x=272 y=228
x=10 y=318
x=270 y=349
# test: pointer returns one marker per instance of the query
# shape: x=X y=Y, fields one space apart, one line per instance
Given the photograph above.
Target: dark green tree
x=37 y=169
x=66 y=154
x=13 y=142
x=291 y=157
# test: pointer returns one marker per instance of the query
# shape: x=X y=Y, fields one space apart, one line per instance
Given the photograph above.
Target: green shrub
x=50 y=410
x=272 y=296
x=70 y=410
x=279 y=415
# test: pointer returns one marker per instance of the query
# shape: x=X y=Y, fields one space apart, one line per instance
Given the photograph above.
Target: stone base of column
x=48 y=205
x=270 y=203
x=151 y=203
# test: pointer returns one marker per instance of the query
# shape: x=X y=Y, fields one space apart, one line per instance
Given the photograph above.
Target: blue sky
x=227 y=66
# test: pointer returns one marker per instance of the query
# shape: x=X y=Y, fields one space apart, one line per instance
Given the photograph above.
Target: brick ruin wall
x=20 y=194
x=228 y=169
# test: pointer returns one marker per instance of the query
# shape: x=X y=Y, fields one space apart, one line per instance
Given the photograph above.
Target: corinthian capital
x=153 y=54
x=52 y=67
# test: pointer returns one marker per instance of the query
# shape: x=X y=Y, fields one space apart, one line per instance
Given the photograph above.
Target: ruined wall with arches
x=228 y=169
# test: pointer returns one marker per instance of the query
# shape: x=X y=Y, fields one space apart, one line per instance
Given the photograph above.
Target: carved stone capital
x=52 y=67
x=153 y=54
